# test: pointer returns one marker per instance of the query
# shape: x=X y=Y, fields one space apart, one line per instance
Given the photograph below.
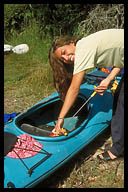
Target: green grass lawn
x=28 y=77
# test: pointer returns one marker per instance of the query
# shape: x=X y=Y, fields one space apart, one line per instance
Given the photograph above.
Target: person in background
x=71 y=57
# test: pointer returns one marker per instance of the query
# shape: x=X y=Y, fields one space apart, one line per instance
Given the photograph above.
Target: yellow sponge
x=65 y=133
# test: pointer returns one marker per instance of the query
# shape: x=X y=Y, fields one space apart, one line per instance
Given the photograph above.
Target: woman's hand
x=58 y=127
x=103 y=86
x=105 y=83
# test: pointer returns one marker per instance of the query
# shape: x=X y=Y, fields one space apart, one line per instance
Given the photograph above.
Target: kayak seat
x=43 y=130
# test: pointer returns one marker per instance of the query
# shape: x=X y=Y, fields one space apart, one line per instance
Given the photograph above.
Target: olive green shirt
x=101 y=49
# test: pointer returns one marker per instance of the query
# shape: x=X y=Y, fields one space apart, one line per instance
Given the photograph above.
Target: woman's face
x=66 y=53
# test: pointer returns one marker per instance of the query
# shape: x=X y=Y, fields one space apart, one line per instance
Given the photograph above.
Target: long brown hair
x=62 y=73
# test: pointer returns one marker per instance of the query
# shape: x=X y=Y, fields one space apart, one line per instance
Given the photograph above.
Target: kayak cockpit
x=41 y=118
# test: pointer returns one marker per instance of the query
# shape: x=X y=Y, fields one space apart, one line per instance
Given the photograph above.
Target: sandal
x=107 y=146
x=106 y=157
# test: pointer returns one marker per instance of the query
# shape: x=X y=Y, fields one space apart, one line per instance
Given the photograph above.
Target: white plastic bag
x=8 y=48
x=20 y=49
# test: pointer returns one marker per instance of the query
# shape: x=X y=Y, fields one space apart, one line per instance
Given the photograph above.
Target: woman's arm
x=70 y=98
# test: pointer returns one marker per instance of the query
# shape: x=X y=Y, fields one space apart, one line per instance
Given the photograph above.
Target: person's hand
x=58 y=127
x=103 y=86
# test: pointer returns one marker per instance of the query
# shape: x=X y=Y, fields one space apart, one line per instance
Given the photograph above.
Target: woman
x=101 y=49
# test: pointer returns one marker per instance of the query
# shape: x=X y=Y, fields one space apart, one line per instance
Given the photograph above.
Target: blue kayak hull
x=57 y=150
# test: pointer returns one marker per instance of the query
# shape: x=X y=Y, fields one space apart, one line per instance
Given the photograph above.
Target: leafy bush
x=61 y=19
x=55 y=19
x=16 y=18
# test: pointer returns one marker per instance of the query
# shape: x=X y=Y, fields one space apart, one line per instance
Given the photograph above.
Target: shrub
x=103 y=16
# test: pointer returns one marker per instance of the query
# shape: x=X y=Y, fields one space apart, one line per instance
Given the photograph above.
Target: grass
x=27 y=77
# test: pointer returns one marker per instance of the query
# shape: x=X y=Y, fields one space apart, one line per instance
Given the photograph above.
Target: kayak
x=38 y=122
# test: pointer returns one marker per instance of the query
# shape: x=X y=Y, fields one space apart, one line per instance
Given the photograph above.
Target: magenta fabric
x=25 y=141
